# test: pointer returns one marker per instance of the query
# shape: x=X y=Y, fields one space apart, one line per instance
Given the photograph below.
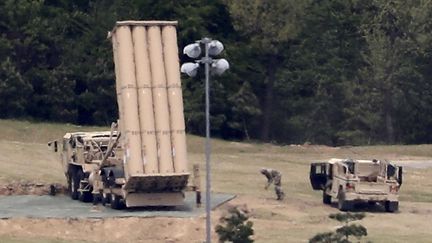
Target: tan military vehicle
x=81 y=156
x=94 y=170
x=142 y=161
x=350 y=181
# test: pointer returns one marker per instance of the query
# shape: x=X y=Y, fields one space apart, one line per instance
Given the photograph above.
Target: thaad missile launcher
x=142 y=160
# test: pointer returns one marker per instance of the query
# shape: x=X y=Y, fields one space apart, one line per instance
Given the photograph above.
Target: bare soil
x=292 y=220
x=31 y=188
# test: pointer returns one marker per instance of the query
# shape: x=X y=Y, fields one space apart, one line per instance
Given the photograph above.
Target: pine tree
x=235 y=227
x=343 y=233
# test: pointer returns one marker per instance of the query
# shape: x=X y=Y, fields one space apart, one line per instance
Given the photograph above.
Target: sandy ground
x=297 y=217
x=267 y=214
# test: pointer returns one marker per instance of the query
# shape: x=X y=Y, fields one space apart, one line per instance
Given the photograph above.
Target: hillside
x=24 y=156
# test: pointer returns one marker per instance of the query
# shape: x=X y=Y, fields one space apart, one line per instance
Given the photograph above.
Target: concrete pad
x=62 y=206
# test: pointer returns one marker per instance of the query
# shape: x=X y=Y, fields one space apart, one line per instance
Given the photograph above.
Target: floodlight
x=215 y=47
x=192 y=50
x=219 y=66
x=190 y=69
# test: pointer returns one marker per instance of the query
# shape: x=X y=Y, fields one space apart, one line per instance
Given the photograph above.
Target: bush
x=344 y=232
x=235 y=227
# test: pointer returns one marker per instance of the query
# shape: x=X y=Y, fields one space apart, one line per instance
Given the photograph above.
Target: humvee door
x=395 y=172
x=399 y=178
x=318 y=175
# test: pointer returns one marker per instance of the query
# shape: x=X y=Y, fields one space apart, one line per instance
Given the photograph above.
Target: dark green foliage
x=235 y=227
x=342 y=234
x=14 y=91
x=244 y=107
x=355 y=230
x=347 y=217
x=328 y=237
x=329 y=72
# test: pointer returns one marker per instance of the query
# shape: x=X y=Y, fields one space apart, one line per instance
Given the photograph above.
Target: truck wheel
x=96 y=198
x=391 y=206
x=74 y=184
x=371 y=203
x=326 y=197
x=83 y=196
x=116 y=202
x=343 y=205
x=105 y=198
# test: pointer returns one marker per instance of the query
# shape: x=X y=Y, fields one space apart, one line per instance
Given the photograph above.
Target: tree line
x=333 y=72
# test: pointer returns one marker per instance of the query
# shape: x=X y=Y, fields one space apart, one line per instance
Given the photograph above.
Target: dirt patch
x=107 y=230
x=299 y=219
x=31 y=188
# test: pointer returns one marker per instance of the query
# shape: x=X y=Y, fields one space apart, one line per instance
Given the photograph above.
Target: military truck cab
x=350 y=181
x=81 y=155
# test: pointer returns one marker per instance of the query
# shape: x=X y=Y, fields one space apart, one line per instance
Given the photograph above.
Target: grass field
x=24 y=155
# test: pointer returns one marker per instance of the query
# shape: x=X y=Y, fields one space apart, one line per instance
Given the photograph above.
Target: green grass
x=31 y=132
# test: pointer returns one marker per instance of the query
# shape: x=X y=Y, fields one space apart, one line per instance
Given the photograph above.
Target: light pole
x=218 y=66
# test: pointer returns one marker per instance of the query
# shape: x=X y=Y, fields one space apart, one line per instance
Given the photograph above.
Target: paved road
x=63 y=207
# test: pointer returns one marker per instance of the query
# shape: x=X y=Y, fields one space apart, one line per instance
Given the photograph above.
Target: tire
x=74 y=184
x=116 y=202
x=106 y=198
x=326 y=197
x=83 y=196
x=96 y=199
x=391 y=207
x=343 y=205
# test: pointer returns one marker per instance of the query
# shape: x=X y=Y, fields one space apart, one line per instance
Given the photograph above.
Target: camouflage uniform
x=274 y=176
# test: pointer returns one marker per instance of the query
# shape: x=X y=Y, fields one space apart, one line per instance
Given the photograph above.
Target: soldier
x=273 y=176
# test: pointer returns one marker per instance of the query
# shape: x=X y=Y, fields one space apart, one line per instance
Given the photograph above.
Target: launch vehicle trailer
x=142 y=160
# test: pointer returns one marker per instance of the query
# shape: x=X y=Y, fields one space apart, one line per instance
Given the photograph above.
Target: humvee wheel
x=343 y=205
x=326 y=197
x=391 y=206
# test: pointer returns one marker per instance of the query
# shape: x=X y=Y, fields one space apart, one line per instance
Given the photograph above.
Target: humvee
x=350 y=181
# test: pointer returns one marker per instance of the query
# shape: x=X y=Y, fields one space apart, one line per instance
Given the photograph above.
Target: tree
x=268 y=27
x=14 y=91
x=244 y=107
x=323 y=68
x=392 y=73
x=235 y=227
x=343 y=233
x=30 y=40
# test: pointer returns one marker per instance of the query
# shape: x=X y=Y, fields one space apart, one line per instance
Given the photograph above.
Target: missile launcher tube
x=117 y=75
x=172 y=69
x=149 y=98
x=160 y=99
x=145 y=101
x=130 y=121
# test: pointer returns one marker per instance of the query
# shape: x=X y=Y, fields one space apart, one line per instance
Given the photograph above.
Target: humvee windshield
x=350 y=165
